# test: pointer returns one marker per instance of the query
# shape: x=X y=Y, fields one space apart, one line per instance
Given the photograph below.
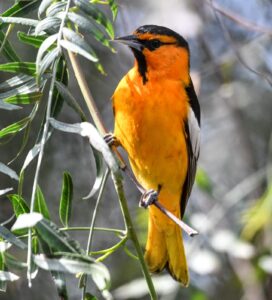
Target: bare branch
x=239 y=19
x=235 y=49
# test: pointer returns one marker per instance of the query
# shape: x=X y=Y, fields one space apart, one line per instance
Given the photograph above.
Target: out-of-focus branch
x=239 y=19
x=235 y=49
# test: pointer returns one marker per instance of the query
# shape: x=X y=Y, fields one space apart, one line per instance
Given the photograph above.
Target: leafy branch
x=57 y=27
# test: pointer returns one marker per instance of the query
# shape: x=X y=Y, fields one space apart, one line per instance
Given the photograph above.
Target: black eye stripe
x=153 y=44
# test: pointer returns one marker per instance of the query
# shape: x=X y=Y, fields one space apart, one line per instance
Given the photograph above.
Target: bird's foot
x=111 y=140
x=148 y=198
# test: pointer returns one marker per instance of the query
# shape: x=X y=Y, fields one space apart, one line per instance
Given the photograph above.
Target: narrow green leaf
x=35 y=250
x=4 y=246
x=77 y=49
x=8 y=171
x=59 y=280
x=13 y=263
x=8 y=276
x=47 y=61
x=19 y=205
x=75 y=264
x=100 y=68
x=86 y=129
x=35 y=245
x=24 y=143
x=43 y=48
x=21 y=8
x=24 y=98
x=43 y=7
x=8 y=50
x=91 y=10
x=66 y=199
x=97 y=270
x=32 y=40
x=28 y=68
x=28 y=220
x=77 y=39
x=5 y=191
x=70 y=100
x=27 y=88
x=11 y=238
x=87 y=26
x=7 y=106
x=65 y=127
x=56 y=239
x=55 y=8
x=21 y=21
x=40 y=204
x=14 y=128
x=3 y=286
x=89 y=296
x=15 y=81
x=62 y=76
x=99 y=174
x=33 y=153
x=50 y=23
x=2 y=261
x=114 y=8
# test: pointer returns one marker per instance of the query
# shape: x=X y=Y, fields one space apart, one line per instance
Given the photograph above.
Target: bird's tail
x=164 y=249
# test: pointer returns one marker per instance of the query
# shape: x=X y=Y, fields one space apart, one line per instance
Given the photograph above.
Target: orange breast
x=149 y=123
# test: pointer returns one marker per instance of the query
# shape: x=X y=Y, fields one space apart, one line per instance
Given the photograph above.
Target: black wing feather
x=192 y=150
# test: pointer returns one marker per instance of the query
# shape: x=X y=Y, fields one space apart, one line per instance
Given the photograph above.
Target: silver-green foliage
x=59 y=26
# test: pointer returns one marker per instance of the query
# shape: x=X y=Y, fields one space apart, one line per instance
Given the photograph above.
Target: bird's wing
x=192 y=134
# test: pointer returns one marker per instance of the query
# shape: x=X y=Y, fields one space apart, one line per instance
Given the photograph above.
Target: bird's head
x=159 y=51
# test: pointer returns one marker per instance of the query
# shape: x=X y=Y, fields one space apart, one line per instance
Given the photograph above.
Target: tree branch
x=238 y=19
x=234 y=48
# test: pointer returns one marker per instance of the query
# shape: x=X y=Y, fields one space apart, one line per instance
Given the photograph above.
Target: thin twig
x=78 y=228
x=239 y=19
x=190 y=231
x=235 y=49
x=109 y=251
x=38 y=167
x=94 y=214
x=132 y=233
x=9 y=30
x=8 y=220
x=87 y=95
x=43 y=141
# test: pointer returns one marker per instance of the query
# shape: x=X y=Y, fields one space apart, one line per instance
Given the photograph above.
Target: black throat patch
x=142 y=66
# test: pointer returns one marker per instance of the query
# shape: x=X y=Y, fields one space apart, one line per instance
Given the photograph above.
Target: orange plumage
x=153 y=107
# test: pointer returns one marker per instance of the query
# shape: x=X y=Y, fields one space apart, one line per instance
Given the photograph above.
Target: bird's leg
x=111 y=140
x=148 y=198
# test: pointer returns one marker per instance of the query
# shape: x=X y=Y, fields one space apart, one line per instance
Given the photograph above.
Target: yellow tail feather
x=166 y=250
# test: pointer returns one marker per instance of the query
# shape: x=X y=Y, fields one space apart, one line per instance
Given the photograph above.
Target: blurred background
x=231 y=204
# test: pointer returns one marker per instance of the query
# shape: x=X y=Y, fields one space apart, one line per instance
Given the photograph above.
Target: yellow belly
x=149 y=123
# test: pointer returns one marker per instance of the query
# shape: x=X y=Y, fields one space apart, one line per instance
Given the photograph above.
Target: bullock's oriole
x=157 y=121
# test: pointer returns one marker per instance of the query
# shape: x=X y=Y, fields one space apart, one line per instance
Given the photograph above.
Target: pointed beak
x=131 y=41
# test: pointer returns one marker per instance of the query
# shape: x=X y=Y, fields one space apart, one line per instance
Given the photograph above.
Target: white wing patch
x=194 y=131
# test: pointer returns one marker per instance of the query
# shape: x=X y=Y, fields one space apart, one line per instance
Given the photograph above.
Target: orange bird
x=157 y=121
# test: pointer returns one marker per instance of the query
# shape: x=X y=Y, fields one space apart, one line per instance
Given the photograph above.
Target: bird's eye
x=151 y=44
x=156 y=44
